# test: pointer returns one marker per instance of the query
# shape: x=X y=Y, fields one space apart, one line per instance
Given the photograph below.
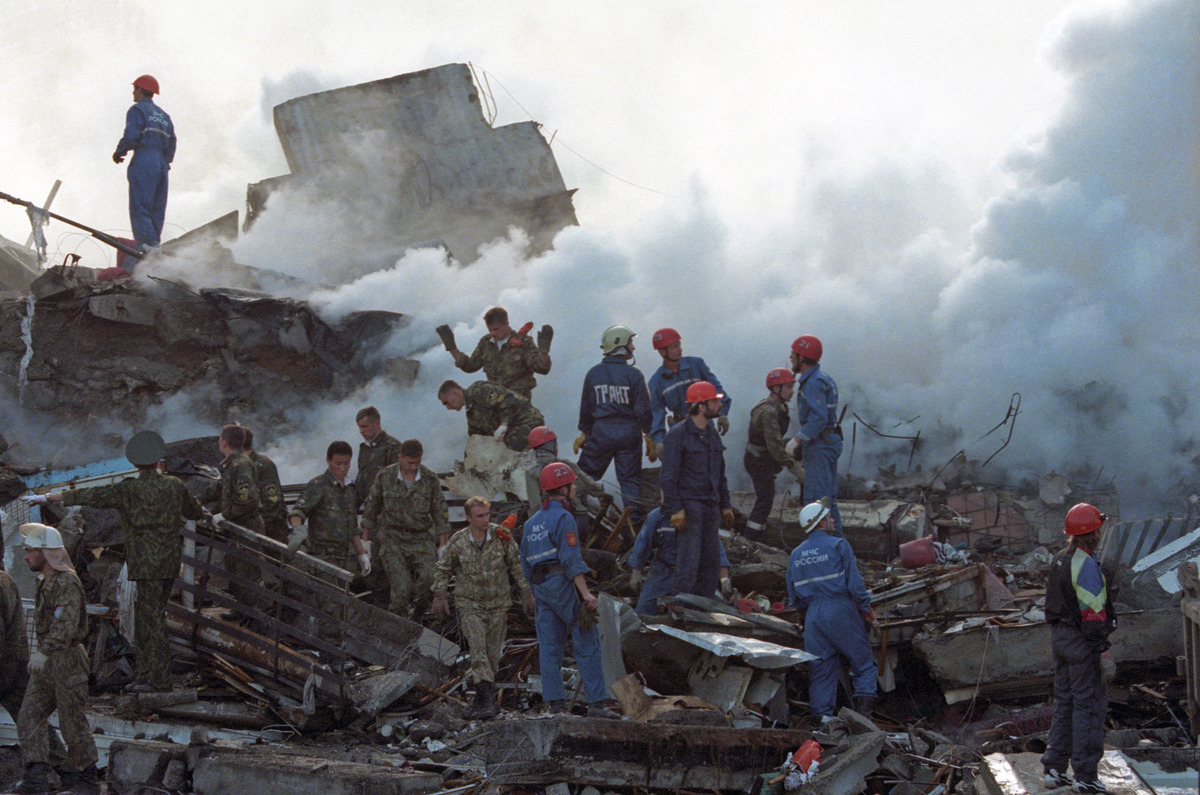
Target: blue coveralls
x=816 y=413
x=693 y=479
x=655 y=545
x=614 y=412
x=151 y=136
x=823 y=579
x=550 y=541
x=668 y=392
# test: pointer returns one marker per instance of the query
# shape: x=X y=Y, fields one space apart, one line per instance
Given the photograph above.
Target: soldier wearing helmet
x=552 y=563
x=819 y=439
x=695 y=491
x=766 y=452
x=614 y=414
x=151 y=135
x=1080 y=612
x=669 y=384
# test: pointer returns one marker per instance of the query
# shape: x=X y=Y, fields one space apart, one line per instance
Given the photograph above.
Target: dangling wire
x=1014 y=408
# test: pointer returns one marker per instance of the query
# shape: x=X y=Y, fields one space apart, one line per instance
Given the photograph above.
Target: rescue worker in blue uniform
x=820 y=435
x=614 y=414
x=695 y=492
x=555 y=569
x=151 y=135
x=669 y=384
x=824 y=583
x=655 y=547
x=1080 y=612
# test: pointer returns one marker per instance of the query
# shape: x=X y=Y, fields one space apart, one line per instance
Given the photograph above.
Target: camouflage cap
x=145 y=448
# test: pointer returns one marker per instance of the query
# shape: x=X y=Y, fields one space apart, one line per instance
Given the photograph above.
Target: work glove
x=447 y=337
x=587 y=615
x=190 y=525
x=868 y=616
x=297 y=537
x=1108 y=668
x=367 y=548
x=499 y=434
x=37 y=662
x=530 y=603
x=722 y=425
x=651 y=449
x=635 y=579
x=364 y=564
x=679 y=520
x=441 y=604
x=797 y=470
x=217 y=518
x=544 y=337
x=727 y=518
x=579 y=441
x=34 y=499
x=727 y=587
x=118 y=158
x=791 y=446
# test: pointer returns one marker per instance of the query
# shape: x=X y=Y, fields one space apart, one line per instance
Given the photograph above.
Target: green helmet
x=615 y=337
x=145 y=448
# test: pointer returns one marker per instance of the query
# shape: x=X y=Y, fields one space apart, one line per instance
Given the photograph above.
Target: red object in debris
x=745 y=605
x=121 y=255
x=807 y=754
x=108 y=274
x=509 y=522
x=777 y=607
x=915 y=554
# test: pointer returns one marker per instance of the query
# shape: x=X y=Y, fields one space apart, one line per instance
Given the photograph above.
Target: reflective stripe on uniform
x=822 y=578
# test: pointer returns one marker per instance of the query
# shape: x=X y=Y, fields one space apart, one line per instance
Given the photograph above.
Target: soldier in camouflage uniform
x=482 y=560
x=274 y=510
x=153 y=508
x=58 y=669
x=325 y=518
x=766 y=448
x=493 y=411
x=509 y=359
x=377 y=450
x=405 y=510
x=236 y=498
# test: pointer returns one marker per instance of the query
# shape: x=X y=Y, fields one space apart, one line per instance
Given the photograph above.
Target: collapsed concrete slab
x=1021 y=774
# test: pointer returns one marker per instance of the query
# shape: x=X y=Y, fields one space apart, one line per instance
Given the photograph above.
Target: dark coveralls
x=693 y=479
x=655 y=546
x=151 y=136
x=816 y=413
x=1081 y=617
x=668 y=393
x=614 y=412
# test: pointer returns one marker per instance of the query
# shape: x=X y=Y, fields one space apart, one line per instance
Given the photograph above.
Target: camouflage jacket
x=510 y=365
x=409 y=508
x=236 y=495
x=153 y=507
x=382 y=451
x=58 y=614
x=768 y=423
x=483 y=577
x=489 y=406
x=14 y=645
x=270 y=490
x=331 y=511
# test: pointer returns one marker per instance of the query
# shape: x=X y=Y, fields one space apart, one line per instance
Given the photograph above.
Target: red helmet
x=1083 y=519
x=554 y=475
x=540 y=435
x=808 y=346
x=702 y=391
x=779 y=376
x=665 y=337
x=147 y=83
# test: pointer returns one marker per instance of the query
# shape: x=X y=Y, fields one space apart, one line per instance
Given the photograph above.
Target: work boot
x=864 y=705
x=602 y=709
x=1056 y=778
x=36 y=780
x=85 y=782
x=490 y=708
x=555 y=706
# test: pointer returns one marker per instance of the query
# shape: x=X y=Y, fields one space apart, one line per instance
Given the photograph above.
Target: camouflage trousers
x=246 y=567
x=14 y=680
x=62 y=685
x=484 y=631
x=408 y=559
x=150 y=644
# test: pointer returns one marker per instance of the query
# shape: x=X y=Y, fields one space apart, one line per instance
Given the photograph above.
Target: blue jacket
x=657 y=541
x=551 y=536
x=150 y=134
x=614 y=390
x=816 y=404
x=693 y=467
x=668 y=392
x=823 y=567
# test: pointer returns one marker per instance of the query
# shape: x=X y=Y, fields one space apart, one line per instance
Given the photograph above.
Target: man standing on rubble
x=325 y=518
x=236 y=498
x=508 y=358
x=669 y=384
x=554 y=567
x=766 y=451
x=824 y=584
x=820 y=437
x=493 y=411
x=695 y=491
x=1080 y=612
x=151 y=135
x=377 y=450
x=274 y=509
x=614 y=415
x=544 y=444
x=58 y=669
x=482 y=560
x=654 y=547
x=154 y=507
x=406 y=511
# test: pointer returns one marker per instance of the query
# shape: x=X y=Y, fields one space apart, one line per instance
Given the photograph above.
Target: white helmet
x=812 y=514
x=41 y=536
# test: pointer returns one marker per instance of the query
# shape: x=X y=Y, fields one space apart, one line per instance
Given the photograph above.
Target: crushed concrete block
x=846 y=773
x=134 y=765
x=558 y=789
x=1021 y=774
x=220 y=771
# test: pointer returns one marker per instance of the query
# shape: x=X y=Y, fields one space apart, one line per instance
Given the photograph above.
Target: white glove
x=499 y=434
x=727 y=587
x=190 y=524
x=791 y=446
x=364 y=564
x=217 y=519
x=37 y=662
x=722 y=425
x=367 y=548
x=34 y=499
x=297 y=537
x=635 y=579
